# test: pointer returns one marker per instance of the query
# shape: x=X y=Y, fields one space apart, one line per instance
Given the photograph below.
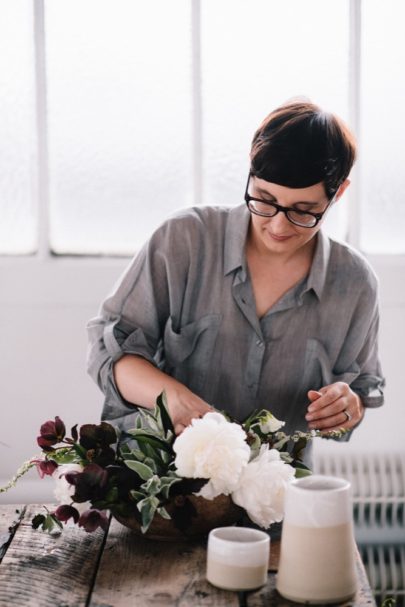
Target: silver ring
x=348 y=416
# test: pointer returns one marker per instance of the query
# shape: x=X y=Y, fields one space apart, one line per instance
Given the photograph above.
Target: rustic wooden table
x=117 y=569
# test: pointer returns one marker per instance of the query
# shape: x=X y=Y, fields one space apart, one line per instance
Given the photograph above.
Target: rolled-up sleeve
x=370 y=382
x=132 y=318
x=359 y=352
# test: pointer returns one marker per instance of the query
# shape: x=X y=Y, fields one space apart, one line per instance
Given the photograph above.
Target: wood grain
x=134 y=572
x=10 y=516
x=77 y=569
x=269 y=597
x=41 y=570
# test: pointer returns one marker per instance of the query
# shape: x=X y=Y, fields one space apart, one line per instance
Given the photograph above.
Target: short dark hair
x=298 y=145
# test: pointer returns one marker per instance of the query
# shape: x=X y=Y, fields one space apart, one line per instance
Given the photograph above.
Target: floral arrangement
x=141 y=471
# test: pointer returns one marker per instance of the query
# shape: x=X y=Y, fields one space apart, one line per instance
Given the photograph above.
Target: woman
x=253 y=306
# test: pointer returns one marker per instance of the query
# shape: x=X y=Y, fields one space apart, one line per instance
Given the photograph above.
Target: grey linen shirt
x=186 y=304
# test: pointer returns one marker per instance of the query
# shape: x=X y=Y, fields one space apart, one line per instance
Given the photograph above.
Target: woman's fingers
x=182 y=413
x=336 y=407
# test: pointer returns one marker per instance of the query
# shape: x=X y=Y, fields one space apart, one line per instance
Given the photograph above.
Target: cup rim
x=258 y=536
x=309 y=483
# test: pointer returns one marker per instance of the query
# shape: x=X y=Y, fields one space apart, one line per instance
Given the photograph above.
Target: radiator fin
x=378 y=486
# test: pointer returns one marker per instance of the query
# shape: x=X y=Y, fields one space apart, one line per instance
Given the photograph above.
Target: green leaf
x=152 y=486
x=147 y=508
x=143 y=471
x=252 y=418
x=166 y=457
x=286 y=457
x=149 y=461
x=301 y=472
x=164 y=513
x=137 y=495
x=150 y=439
x=66 y=456
x=299 y=447
x=37 y=521
x=280 y=443
x=81 y=451
x=112 y=495
x=131 y=453
x=166 y=483
x=149 y=421
x=161 y=404
x=50 y=523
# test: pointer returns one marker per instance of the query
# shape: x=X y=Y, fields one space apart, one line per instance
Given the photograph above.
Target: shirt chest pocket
x=318 y=370
x=188 y=351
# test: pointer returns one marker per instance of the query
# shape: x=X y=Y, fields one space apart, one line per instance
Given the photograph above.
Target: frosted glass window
x=255 y=56
x=119 y=116
x=383 y=127
x=18 y=148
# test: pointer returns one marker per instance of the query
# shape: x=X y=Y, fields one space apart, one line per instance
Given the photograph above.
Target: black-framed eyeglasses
x=265 y=208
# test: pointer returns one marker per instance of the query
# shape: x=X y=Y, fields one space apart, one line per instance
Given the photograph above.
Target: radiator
x=378 y=486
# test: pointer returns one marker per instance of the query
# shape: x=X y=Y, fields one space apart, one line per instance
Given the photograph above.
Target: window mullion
x=354 y=192
x=42 y=131
x=196 y=130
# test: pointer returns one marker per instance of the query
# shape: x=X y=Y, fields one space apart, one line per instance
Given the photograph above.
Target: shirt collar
x=235 y=238
x=317 y=273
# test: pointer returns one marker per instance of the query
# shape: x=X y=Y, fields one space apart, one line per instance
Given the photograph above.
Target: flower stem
x=20 y=472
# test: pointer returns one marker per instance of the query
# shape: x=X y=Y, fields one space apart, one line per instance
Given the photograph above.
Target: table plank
x=10 y=516
x=133 y=572
x=269 y=596
x=39 y=569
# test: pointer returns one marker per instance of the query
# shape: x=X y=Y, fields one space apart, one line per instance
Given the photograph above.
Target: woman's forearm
x=140 y=382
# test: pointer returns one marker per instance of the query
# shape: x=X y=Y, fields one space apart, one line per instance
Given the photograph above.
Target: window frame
x=44 y=251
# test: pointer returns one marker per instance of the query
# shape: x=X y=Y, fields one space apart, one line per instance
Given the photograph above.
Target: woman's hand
x=333 y=407
x=184 y=406
x=139 y=382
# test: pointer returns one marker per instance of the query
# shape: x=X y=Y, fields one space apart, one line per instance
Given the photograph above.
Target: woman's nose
x=279 y=222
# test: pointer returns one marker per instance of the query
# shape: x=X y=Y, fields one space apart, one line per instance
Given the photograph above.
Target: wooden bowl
x=219 y=512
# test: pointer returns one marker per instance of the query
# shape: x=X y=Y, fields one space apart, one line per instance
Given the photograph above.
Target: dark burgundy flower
x=51 y=433
x=91 y=484
x=96 y=439
x=92 y=519
x=45 y=467
x=98 y=436
x=74 y=433
x=64 y=513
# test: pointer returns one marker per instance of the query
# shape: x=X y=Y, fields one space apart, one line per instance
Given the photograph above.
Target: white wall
x=44 y=306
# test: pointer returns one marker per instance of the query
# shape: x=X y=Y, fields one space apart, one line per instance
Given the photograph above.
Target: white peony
x=269 y=423
x=262 y=486
x=63 y=490
x=212 y=448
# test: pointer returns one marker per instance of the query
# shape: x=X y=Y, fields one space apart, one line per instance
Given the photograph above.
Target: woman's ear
x=341 y=189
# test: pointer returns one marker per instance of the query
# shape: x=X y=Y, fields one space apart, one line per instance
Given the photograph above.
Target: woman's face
x=277 y=234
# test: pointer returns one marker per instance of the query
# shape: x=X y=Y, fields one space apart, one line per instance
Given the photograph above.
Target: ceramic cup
x=237 y=558
x=317 y=556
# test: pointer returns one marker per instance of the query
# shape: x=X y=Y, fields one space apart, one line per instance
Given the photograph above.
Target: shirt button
x=259 y=343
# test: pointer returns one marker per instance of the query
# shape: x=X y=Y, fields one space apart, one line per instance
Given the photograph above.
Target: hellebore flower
x=64 y=489
x=51 y=433
x=89 y=483
x=96 y=436
x=96 y=439
x=92 y=519
x=45 y=467
x=64 y=513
